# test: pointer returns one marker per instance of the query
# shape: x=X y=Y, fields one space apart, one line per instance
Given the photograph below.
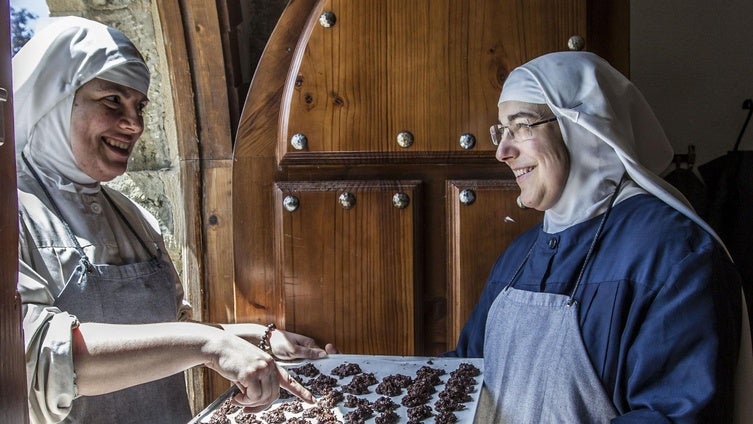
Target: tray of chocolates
x=367 y=389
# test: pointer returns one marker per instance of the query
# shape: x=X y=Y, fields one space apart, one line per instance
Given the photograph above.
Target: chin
x=110 y=175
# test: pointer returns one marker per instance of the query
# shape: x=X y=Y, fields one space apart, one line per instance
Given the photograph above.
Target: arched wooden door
x=368 y=206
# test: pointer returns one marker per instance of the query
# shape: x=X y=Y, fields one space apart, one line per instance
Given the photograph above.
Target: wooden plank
x=218 y=247
x=193 y=44
x=473 y=248
x=215 y=151
x=13 y=400
x=188 y=222
x=255 y=170
x=204 y=43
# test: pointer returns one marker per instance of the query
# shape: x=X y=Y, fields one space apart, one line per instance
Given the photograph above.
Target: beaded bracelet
x=264 y=342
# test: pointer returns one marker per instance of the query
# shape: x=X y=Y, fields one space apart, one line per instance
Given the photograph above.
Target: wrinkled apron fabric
x=136 y=293
x=129 y=294
x=537 y=365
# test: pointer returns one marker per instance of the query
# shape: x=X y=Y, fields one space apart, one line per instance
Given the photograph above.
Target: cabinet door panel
x=478 y=231
x=349 y=275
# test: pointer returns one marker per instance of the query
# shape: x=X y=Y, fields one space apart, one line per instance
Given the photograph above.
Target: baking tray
x=381 y=366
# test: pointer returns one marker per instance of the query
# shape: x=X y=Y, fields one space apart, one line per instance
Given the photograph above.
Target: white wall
x=693 y=60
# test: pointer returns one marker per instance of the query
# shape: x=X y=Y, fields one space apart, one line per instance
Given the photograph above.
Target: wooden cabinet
x=377 y=98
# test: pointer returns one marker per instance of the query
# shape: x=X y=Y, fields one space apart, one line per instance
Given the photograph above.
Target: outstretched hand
x=255 y=373
x=285 y=345
x=288 y=345
x=286 y=382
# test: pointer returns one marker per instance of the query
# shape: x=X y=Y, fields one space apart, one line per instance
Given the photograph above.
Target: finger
x=310 y=353
x=331 y=349
x=302 y=340
x=257 y=392
x=254 y=409
x=237 y=398
x=290 y=384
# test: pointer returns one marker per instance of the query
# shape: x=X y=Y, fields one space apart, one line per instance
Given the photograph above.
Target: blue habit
x=659 y=308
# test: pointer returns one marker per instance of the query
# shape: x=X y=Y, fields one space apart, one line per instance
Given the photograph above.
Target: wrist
x=215 y=342
x=264 y=343
x=208 y=324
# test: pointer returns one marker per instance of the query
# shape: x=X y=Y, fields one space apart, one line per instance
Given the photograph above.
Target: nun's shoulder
x=651 y=220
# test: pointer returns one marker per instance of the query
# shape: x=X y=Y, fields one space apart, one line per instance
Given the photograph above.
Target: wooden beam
x=215 y=154
x=188 y=221
x=13 y=401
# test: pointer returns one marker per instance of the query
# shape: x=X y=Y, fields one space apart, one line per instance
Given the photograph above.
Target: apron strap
x=130 y=227
x=84 y=259
x=596 y=239
x=590 y=252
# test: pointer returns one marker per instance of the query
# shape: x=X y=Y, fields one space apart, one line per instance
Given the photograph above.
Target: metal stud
x=400 y=200
x=347 y=200
x=467 y=197
x=327 y=19
x=299 y=141
x=576 y=42
x=290 y=203
x=405 y=139
x=467 y=141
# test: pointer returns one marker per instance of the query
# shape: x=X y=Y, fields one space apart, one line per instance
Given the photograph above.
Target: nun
x=622 y=305
x=107 y=330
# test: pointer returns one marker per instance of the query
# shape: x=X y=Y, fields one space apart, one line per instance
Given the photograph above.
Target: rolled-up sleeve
x=50 y=375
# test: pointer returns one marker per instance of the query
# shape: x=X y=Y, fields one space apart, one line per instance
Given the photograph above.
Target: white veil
x=63 y=55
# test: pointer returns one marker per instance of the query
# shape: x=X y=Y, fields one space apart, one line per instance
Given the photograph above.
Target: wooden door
x=374 y=98
x=13 y=407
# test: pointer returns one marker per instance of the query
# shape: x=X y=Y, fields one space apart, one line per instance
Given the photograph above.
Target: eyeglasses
x=519 y=131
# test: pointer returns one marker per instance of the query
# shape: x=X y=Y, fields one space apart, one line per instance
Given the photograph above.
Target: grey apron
x=137 y=293
x=536 y=367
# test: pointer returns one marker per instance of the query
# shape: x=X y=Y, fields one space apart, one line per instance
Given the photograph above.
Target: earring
x=520 y=203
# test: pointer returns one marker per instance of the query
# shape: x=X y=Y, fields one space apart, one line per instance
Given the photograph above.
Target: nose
x=505 y=150
x=132 y=121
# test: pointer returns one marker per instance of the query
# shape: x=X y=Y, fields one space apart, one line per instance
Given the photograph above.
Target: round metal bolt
x=347 y=200
x=576 y=42
x=327 y=19
x=405 y=139
x=467 y=141
x=467 y=197
x=400 y=200
x=290 y=203
x=299 y=141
